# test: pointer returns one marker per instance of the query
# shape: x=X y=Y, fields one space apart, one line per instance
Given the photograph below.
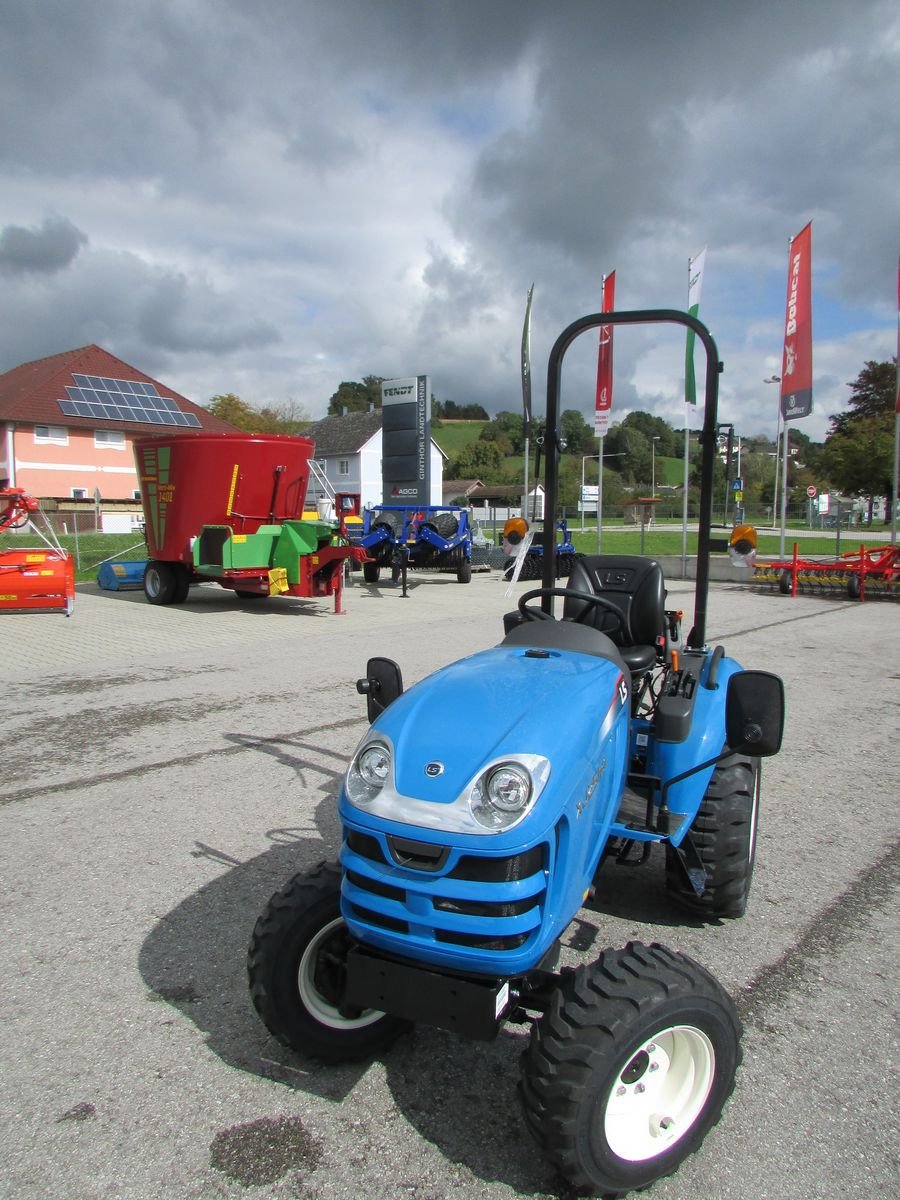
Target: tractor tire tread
x=593 y=1012
x=723 y=834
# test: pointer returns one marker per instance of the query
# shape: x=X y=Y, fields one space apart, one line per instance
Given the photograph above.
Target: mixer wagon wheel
x=182 y=584
x=161 y=582
x=630 y=1067
x=724 y=834
x=297 y=963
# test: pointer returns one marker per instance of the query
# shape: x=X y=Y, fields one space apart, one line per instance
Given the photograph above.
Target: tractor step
x=632 y=815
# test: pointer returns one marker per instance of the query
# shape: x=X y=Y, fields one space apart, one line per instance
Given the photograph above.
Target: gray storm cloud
x=43 y=250
x=286 y=195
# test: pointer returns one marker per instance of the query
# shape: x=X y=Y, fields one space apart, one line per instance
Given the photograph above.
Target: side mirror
x=382 y=685
x=754 y=713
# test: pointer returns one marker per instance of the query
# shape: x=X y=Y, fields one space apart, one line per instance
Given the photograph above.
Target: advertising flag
x=898 y=336
x=695 y=283
x=603 y=405
x=526 y=363
x=796 y=363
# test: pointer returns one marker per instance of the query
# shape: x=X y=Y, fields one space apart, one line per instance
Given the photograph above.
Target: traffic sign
x=811 y=491
x=737 y=485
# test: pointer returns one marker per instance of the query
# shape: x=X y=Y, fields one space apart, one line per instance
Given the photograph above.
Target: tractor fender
x=705 y=740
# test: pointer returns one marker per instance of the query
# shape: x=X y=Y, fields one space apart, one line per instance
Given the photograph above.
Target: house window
x=112 y=438
x=136 y=494
x=79 y=494
x=56 y=435
x=343 y=466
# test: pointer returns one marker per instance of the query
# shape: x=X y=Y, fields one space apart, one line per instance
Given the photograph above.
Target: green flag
x=695 y=282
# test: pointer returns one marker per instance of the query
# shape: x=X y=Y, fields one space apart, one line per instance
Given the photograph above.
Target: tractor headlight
x=508 y=788
x=505 y=792
x=370 y=770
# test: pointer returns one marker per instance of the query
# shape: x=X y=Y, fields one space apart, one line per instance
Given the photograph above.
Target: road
x=166 y=769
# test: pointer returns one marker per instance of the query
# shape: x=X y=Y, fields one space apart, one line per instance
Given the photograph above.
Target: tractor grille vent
x=481 y=902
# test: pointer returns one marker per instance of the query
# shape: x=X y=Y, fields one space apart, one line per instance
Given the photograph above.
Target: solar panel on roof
x=101 y=398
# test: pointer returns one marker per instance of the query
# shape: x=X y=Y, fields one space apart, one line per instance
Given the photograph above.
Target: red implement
x=33 y=578
x=872 y=571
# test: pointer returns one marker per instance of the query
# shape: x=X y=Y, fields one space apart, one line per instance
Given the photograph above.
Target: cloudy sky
x=271 y=198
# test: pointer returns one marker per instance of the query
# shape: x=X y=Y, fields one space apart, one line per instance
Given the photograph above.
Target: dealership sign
x=406 y=440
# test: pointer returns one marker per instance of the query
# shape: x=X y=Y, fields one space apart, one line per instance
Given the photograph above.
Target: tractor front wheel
x=630 y=1067
x=724 y=834
x=297 y=964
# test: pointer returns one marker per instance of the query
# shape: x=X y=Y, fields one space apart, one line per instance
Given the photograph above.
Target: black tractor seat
x=635 y=585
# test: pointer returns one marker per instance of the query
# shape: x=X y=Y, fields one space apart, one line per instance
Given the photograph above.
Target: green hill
x=455 y=436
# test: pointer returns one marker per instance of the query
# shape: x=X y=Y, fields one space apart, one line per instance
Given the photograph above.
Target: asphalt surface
x=164 y=770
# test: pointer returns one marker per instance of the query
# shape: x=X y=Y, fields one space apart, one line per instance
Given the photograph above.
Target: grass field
x=92 y=549
x=455 y=436
x=661 y=541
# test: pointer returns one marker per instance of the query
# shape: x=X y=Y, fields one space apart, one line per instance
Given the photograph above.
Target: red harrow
x=33 y=578
x=860 y=574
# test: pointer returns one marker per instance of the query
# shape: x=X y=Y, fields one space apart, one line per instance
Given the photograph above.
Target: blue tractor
x=463 y=862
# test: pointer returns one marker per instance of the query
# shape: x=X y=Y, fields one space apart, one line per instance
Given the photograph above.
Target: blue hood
x=493 y=704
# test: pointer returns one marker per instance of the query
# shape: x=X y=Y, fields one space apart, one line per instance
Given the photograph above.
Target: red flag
x=898 y=336
x=796 y=363
x=603 y=406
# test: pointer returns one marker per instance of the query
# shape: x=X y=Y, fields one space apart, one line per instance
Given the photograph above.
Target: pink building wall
x=49 y=469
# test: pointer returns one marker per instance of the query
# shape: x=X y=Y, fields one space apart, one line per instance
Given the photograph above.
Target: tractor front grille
x=439 y=896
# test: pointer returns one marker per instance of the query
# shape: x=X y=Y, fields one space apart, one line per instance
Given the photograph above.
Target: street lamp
x=653 y=465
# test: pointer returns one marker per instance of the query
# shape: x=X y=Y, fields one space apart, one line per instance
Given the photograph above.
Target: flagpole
x=526 y=393
x=896 y=461
x=896 y=422
x=684 y=506
x=784 y=492
x=600 y=497
x=603 y=400
x=784 y=426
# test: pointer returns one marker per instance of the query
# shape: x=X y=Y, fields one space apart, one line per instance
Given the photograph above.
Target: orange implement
x=37 y=579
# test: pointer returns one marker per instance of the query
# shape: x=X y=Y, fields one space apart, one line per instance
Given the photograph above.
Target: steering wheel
x=589 y=598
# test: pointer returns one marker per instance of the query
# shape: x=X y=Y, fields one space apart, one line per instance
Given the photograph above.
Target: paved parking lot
x=165 y=769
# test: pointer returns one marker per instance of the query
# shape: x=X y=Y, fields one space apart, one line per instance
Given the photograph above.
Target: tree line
x=856 y=458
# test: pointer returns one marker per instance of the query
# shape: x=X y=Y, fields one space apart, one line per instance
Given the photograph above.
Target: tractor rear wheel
x=724 y=834
x=297 y=963
x=630 y=1067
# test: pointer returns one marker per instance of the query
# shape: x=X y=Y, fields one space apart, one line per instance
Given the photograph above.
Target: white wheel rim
x=314 y=1002
x=660 y=1093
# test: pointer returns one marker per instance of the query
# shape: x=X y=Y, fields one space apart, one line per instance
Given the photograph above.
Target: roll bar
x=552 y=448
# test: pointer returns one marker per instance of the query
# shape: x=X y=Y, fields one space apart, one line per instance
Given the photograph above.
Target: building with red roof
x=68 y=422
